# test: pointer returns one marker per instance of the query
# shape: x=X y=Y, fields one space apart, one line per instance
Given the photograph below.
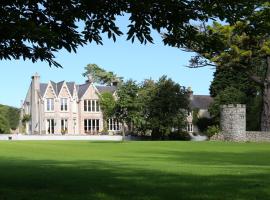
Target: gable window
x=64 y=104
x=91 y=125
x=91 y=105
x=50 y=104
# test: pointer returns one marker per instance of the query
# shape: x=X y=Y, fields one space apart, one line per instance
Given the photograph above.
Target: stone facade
x=233 y=122
x=233 y=126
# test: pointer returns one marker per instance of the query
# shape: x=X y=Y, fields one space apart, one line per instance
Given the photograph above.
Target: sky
x=129 y=60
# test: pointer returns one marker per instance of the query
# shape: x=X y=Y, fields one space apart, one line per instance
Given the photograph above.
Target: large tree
x=36 y=29
x=244 y=46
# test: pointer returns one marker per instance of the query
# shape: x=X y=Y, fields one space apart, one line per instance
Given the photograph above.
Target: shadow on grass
x=27 y=179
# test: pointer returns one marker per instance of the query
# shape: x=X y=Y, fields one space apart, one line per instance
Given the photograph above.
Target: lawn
x=134 y=170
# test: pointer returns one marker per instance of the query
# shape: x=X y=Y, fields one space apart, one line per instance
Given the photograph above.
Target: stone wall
x=233 y=122
x=257 y=136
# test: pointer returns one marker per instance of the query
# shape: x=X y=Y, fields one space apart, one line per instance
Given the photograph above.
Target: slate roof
x=70 y=86
x=201 y=101
x=43 y=87
x=82 y=89
x=111 y=89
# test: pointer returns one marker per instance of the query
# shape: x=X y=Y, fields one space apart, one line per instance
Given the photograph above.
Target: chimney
x=34 y=104
x=190 y=93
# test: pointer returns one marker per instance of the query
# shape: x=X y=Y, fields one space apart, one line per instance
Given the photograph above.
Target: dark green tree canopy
x=37 y=29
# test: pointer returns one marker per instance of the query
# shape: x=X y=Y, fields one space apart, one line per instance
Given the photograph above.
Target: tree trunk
x=265 y=115
x=123 y=131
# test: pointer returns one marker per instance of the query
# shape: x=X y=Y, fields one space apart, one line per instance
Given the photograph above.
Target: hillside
x=9 y=118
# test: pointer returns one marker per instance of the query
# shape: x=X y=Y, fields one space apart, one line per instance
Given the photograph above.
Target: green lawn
x=134 y=170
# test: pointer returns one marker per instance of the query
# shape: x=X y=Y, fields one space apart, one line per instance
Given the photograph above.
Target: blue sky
x=135 y=61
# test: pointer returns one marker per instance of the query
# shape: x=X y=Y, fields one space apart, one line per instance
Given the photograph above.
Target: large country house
x=69 y=108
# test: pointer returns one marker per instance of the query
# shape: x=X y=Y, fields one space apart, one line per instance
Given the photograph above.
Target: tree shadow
x=48 y=179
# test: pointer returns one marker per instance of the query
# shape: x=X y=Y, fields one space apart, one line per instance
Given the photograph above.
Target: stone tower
x=233 y=122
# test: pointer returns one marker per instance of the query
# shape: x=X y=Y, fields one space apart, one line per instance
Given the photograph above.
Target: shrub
x=212 y=130
x=203 y=123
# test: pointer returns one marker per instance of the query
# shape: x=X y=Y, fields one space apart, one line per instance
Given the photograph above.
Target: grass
x=134 y=170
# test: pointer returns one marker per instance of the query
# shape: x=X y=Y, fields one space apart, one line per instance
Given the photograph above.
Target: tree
x=245 y=47
x=167 y=107
x=36 y=30
x=4 y=125
x=100 y=75
x=107 y=104
x=230 y=95
x=127 y=107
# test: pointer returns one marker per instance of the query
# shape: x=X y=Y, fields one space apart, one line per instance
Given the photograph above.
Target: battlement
x=233 y=106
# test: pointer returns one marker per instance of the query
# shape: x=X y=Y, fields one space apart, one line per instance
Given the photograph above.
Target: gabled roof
x=54 y=85
x=43 y=87
x=59 y=86
x=82 y=89
x=111 y=89
x=201 y=101
x=70 y=86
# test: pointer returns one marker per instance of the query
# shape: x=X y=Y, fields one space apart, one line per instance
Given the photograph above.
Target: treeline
x=9 y=118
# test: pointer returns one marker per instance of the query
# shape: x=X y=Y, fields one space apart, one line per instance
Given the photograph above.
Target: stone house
x=66 y=108
x=70 y=108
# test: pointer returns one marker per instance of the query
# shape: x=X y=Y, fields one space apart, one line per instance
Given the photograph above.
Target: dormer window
x=50 y=104
x=64 y=104
x=91 y=105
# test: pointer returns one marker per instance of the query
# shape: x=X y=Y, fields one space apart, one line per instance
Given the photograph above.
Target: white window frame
x=91 y=125
x=64 y=104
x=91 y=105
x=114 y=125
x=64 y=125
x=190 y=127
x=49 y=105
x=50 y=126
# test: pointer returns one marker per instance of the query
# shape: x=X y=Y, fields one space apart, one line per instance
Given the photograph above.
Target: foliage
x=26 y=118
x=107 y=104
x=195 y=115
x=35 y=30
x=212 y=130
x=203 y=123
x=11 y=115
x=167 y=107
x=245 y=47
x=229 y=96
x=127 y=107
x=100 y=75
x=4 y=125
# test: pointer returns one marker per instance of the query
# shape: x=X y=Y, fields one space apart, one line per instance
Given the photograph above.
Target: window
x=64 y=104
x=91 y=106
x=50 y=105
x=114 y=125
x=91 y=125
x=64 y=126
x=190 y=127
x=50 y=126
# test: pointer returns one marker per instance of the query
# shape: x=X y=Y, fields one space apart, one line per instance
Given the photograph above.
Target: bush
x=179 y=136
x=212 y=130
x=4 y=125
x=203 y=123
